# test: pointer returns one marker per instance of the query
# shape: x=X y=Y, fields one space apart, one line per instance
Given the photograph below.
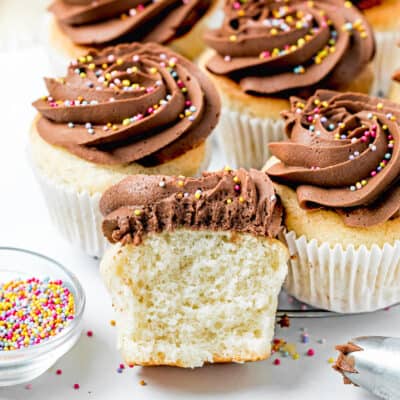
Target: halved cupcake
x=195 y=268
x=338 y=176
x=124 y=110
x=266 y=50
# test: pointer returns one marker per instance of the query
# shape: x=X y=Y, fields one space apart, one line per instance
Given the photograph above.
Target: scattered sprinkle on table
x=331 y=360
x=142 y=383
x=277 y=361
x=59 y=372
x=284 y=322
x=310 y=352
x=76 y=386
x=112 y=323
x=89 y=333
x=32 y=311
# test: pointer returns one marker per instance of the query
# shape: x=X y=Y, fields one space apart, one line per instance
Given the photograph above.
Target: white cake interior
x=188 y=297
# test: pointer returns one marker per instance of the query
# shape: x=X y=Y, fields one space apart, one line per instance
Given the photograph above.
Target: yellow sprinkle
x=138 y=212
x=331 y=360
x=228 y=201
x=153 y=70
x=233 y=38
x=181 y=183
x=348 y=4
x=89 y=58
x=363 y=35
x=295 y=356
x=379 y=106
x=126 y=121
x=227 y=168
x=241 y=13
x=120 y=61
x=82 y=59
x=91 y=66
x=82 y=74
x=126 y=82
x=241 y=199
x=112 y=323
x=197 y=195
x=273 y=31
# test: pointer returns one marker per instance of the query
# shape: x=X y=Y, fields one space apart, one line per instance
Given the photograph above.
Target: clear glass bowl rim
x=41 y=349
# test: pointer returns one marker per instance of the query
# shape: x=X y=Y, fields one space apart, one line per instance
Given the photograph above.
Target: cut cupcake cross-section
x=195 y=269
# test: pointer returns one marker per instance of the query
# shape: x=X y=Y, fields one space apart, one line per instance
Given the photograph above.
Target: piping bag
x=373 y=363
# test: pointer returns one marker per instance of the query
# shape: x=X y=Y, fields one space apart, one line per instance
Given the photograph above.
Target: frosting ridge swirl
x=242 y=201
x=102 y=22
x=343 y=153
x=272 y=47
x=129 y=103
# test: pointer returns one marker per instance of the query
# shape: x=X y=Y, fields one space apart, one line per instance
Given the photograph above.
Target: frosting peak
x=343 y=153
x=242 y=201
x=270 y=47
x=102 y=22
x=129 y=103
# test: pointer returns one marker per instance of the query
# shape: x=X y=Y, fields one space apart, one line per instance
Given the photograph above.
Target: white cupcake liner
x=244 y=139
x=350 y=280
x=76 y=215
x=387 y=60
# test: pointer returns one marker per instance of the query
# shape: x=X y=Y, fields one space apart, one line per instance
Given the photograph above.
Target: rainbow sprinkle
x=32 y=311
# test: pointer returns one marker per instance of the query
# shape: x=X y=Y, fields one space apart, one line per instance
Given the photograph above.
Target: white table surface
x=24 y=222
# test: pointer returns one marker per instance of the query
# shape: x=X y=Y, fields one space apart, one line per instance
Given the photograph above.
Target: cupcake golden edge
x=79 y=185
x=338 y=267
x=235 y=245
x=248 y=123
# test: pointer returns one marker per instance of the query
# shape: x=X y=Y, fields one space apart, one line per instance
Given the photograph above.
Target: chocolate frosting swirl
x=101 y=22
x=129 y=103
x=272 y=47
x=343 y=153
x=239 y=200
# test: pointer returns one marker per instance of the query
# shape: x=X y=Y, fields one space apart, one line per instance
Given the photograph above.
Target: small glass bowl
x=23 y=365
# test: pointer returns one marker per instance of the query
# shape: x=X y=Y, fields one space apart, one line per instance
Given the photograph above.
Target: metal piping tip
x=372 y=363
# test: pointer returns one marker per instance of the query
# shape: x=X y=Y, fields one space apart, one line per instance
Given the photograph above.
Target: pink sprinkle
x=277 y=361
x=58 y=372
x=122 y=366
x=89 y=333
x=310 y=352
x=28 y=386
x=76 y=386
x=373 y=173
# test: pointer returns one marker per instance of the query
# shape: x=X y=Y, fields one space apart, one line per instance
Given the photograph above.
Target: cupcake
x=338 y=178
x=124 y=110
x=265 y=50
x=80 y=25
x=195 y=270
x=383 y=15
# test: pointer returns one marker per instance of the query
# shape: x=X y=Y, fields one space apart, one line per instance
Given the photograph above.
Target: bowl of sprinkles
x=41 y=308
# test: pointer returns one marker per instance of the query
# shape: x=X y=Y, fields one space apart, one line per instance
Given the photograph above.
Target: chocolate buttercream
x=273 y=47
x=103 y=22
x=345 y=363
x=343 y=153
x=239 y=201
x=129 y=103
